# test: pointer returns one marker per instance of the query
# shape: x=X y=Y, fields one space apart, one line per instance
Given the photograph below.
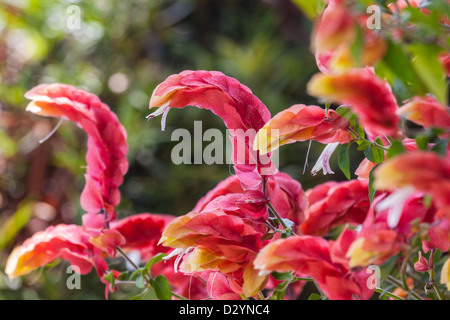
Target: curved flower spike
x=107 y=146
x=302 y=123
x=370 y=98
x=69 y=242
x=242 y=112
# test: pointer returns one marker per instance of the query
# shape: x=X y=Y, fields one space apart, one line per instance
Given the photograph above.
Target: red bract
x=380 y=238
x=422 y=264
x=427 y=112
x=444 y=59
x=242 y=112
x=216 y=241
x=107 y=147
x=334 y=203
x=322 y=260
x=219 y=288
x=438 y=236
x=142 y=232
x=285 y=194
x=68 y=242
x=302 y=123
x=369 y=97
x=425 y=171
x=336 y=31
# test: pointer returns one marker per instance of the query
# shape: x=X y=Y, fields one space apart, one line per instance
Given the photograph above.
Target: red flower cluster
x=261 y=222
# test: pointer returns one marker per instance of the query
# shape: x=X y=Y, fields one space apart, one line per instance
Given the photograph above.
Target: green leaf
x=440 y=147
x=344 y=159
x=16 y=222
x=422 y=141
x=282 y=276
x=268 y=236
x=374 y=154
x=387 y=267
x=369 y=154
x=425 y=62
x=363 y=144
x=280 y=291
x=315 y=296
x=136 y=273
x=311 y=8
x=372 y=190
x=399 y=62
x=110 y=278
x=123 y=275
x=155 y=259
x=395 y=149
x=162 y=287
x=357 y=47
x=148 y=294
x=348 y=114
x=140 y=281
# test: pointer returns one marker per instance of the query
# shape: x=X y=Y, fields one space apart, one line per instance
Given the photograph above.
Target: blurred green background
x=121 y=51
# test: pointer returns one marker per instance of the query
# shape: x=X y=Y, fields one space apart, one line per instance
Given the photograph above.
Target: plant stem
x=127 y=258
x=179 y=297
x=372 y=142
x=271 y=208
x=403 y=268
x=389 y=294
x=303 y=279
x=275 y=213
x=432 y=274
x=399 y=284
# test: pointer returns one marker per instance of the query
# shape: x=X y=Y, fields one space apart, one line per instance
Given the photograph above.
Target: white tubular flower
x=323 y=163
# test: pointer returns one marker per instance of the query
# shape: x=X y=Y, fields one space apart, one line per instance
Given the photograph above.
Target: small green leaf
x=315 y=296
x=162 y=287
x=310 y=8
x=372 y=190
x=286 y=234
x=399 y=62
x=282 y=276
x=427 y=201
x=440 y=147
x=357 y=47
x=140 y=281
x=363 y=144
x=110 y=278
x=280 y=291
x=348 y=114
x=374 y=154
x=268 y=236
x=16 y=222
x=123 y=275
x=344 y=159
x=387 y=267
x=369 y=154
x=155 y=259
x=136 y=273
x=395 y=148
x=426 y=63
x=422 y=141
